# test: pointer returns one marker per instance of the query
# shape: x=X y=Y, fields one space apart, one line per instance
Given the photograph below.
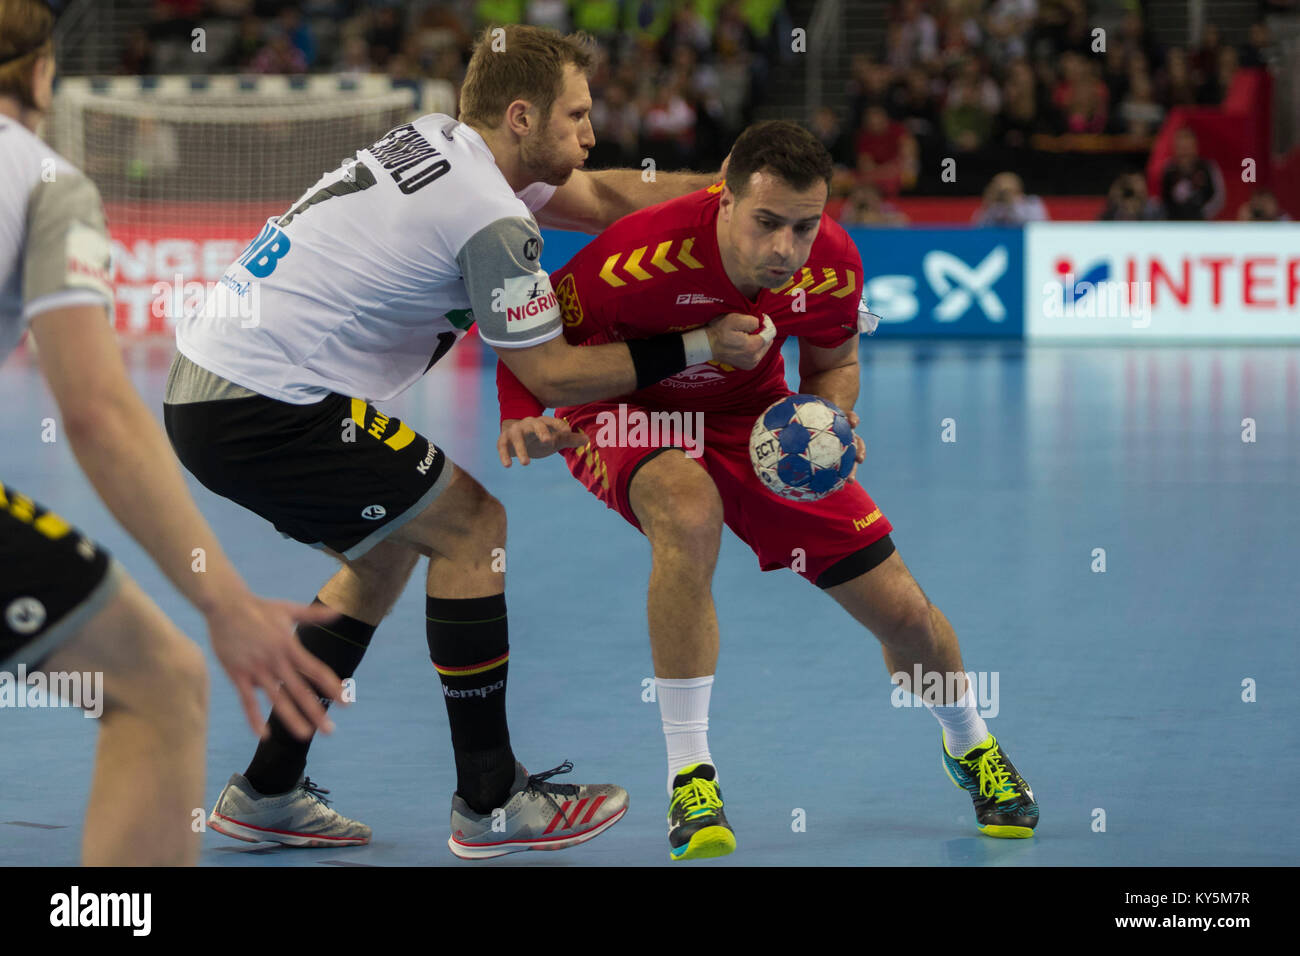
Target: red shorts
x=835 y=534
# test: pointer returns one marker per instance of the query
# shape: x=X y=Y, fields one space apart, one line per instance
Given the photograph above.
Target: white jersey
x=54 y=248
x=378 y=270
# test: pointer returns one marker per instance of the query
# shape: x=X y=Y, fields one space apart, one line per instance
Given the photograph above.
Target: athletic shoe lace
x=537 y=782
x=696 y=797
x=313 y=790
x=994 y=777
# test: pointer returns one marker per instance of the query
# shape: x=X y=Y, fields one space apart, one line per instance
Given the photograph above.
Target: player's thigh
x=67 y=605
x=148 y=665
x=463 y=519
x=673 y=496
x=338 y=474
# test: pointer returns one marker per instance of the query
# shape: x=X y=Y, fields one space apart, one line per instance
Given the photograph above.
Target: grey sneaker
x=538 y=816
x=301 y=817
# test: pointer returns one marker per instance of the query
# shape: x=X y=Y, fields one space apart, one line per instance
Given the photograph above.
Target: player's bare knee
x=677 y=503
x=909 y=624
x=487 y=520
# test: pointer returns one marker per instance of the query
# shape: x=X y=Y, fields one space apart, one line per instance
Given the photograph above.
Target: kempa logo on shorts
x=373 y=512
x=424 y=466
x=133 y=910
x=474 y=691
x=25 y=615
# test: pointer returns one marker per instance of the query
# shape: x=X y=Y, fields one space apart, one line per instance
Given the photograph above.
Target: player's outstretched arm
x=558 y=373
x=125 y=454
x=594 y=199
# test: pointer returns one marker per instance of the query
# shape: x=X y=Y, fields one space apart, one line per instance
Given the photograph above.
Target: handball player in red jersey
x=758 y=244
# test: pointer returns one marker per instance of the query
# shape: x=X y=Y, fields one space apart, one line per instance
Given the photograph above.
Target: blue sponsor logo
x=944 y=282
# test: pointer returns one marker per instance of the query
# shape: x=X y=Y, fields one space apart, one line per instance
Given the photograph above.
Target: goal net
x=189 y=169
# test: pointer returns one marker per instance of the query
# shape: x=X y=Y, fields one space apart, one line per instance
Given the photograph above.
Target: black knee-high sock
x=282 y=757
x=469 y=646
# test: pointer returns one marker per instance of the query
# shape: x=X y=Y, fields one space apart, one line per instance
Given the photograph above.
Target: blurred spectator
x=1191 y=187
x=1262 y=207
x=355 y=58
x=299 y=33
x=1204 y=60
x=1128 y=201
x=1140 y=114
x=137 y=54
x=1005 y=203
x=886 y=152
x=1007 y=25
x=617 y=123
x=1081 y=98
x=248 y=41
x=386 y=34
x=1178 y=87
x=913 y=102
x=1255 y=51
x=279 y=56
x=967 y=115
x=668 y=128
x=1216 y=85
x=1022 y=111
x=865 y=207
x=913 y=36
x=826 y=126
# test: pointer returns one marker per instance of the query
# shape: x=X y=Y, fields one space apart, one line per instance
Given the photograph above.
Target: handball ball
x=802 y=448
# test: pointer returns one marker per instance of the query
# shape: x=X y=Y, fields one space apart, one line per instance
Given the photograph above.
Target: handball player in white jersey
x=346 y=300
x=66 y=606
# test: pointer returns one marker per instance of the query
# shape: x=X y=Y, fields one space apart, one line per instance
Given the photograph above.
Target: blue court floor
x=1119 y=692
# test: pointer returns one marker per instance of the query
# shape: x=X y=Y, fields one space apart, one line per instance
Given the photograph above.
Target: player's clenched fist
x=530 y=438
x=740 y=340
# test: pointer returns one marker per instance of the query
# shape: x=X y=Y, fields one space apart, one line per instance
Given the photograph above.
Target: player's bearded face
x=768 y=233
x=563 y=140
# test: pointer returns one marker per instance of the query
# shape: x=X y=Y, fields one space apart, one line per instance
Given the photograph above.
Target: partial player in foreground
x=66 y=606
x=350 y=297
x=759 y=244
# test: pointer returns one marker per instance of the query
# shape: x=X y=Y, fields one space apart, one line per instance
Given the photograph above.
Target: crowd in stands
x=678 y=79
x=675 y=79
x=992 y=77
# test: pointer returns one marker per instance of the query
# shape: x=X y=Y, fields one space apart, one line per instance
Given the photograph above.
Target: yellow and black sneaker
x=1004 y=804
x=697 y=826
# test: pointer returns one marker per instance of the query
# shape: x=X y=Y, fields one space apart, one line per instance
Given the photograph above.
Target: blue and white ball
x=802 y=448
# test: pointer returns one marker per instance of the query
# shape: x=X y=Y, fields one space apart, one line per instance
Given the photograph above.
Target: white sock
x=963 y=727
x=684 y=708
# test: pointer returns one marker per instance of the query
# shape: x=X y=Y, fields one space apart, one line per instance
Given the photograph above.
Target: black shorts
x=336 y=474
x=53 y=579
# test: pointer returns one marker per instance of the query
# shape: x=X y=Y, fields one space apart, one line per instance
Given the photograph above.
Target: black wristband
x=657 y=358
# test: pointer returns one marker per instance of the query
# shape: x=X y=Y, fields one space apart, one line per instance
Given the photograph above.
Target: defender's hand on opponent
x=740 y=340
x=530 y=438
x=255 y=642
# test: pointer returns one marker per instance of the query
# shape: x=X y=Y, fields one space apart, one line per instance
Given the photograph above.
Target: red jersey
x=658 y=270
